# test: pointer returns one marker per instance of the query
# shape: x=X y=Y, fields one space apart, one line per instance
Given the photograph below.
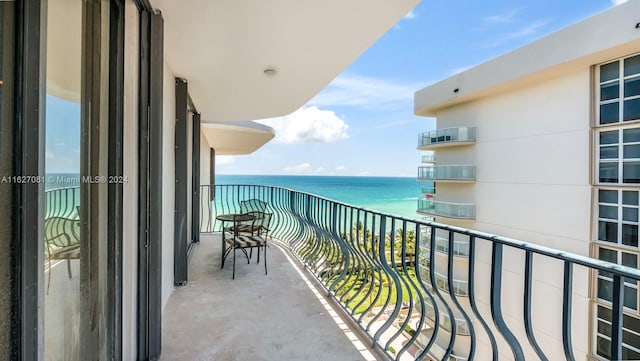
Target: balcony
x=387 y=276
x=448 y=173
x=255 y=316
x=447 y=210
x=368 y=265
x=428 y=190
x=447 y=137
x=429 y=158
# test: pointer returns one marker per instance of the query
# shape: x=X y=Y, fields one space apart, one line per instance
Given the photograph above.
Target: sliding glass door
x=79 y=304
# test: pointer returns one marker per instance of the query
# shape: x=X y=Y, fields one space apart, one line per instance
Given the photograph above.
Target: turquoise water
x=394 y=195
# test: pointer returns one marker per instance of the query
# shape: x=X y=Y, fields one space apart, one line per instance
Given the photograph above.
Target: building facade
x=540 y=145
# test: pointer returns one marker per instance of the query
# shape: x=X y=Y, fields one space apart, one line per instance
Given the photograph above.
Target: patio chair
x=253 y=205
x=62 y=242
x=254 y=237
x=247 y=228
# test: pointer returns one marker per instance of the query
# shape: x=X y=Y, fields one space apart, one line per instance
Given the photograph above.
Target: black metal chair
x=253 y=236
x=253 y=205
x=62 y=242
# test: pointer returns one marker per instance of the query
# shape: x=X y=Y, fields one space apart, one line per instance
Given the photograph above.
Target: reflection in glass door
x=76 y=308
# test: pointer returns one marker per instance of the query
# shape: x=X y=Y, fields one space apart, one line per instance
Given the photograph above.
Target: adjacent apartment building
x=542 y=144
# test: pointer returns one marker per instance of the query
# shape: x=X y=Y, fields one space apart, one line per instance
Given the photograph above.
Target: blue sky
x=362 y=123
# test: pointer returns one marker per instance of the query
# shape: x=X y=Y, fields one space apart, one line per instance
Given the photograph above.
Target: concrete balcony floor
x=280 y=316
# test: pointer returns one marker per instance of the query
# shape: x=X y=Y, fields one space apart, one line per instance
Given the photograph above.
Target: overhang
x=236 y=138
x=607 y=35
x=223 y=48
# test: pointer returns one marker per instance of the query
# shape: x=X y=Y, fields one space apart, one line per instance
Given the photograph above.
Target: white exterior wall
x=168 y=180
x=532 y=157
x=205 y=160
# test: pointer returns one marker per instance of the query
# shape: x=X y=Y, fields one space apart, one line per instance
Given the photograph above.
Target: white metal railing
x=447 y=135
x=447 y=172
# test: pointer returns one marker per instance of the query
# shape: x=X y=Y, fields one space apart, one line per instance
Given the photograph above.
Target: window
x=619 y=91
x=605 y=279
x=619 y=156
x=618 y=216
x=630 y=335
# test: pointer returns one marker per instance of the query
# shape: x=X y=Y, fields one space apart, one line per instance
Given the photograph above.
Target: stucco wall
x=205 y=158
x=532 y=160
x=532 y=157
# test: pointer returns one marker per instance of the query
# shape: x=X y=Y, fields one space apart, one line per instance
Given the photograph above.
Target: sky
x=362 y=123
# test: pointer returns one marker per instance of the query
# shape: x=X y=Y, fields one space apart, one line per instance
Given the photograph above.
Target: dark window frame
x=180 y=251
x=150 y=123
x=28 y=198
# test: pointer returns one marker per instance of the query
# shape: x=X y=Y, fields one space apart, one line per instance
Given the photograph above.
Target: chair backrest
x=253 y=205
x=60 y=232
x=260 y=224
x=265 y=222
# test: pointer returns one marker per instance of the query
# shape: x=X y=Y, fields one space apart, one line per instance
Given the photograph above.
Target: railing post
x=617 y=317
x=496 y=302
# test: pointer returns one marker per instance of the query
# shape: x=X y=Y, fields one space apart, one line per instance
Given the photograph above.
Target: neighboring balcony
x=429 y=158
x=448 y=173
x=429 y=190
x=447 y=210
x=447 y=137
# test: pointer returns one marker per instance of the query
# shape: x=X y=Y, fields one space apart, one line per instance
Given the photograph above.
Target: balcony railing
x=428 y=190
x=429 y=158
x=453 y=173
x=446 y=209
x=368 y=262
x=446 y=137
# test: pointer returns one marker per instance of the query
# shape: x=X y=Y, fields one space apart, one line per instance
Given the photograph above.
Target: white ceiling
x=236 y=138
x=223 y=46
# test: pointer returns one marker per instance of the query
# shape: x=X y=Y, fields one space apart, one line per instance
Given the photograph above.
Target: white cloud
x=618 y=2
x=224 y=160
x=303 y=168
x=308 y=125
x=528 y=30
x=366 y=92
x=340 y=168
x=300 y=168
x=507 y=17
x=49 y=155
x=410 y=15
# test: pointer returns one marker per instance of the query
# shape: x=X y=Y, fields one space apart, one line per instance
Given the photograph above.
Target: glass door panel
x=75 y=270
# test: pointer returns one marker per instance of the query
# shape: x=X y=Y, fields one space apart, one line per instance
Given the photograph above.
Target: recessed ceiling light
x=270 y=71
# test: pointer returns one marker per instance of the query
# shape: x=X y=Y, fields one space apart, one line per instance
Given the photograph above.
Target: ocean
x=393 y=195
